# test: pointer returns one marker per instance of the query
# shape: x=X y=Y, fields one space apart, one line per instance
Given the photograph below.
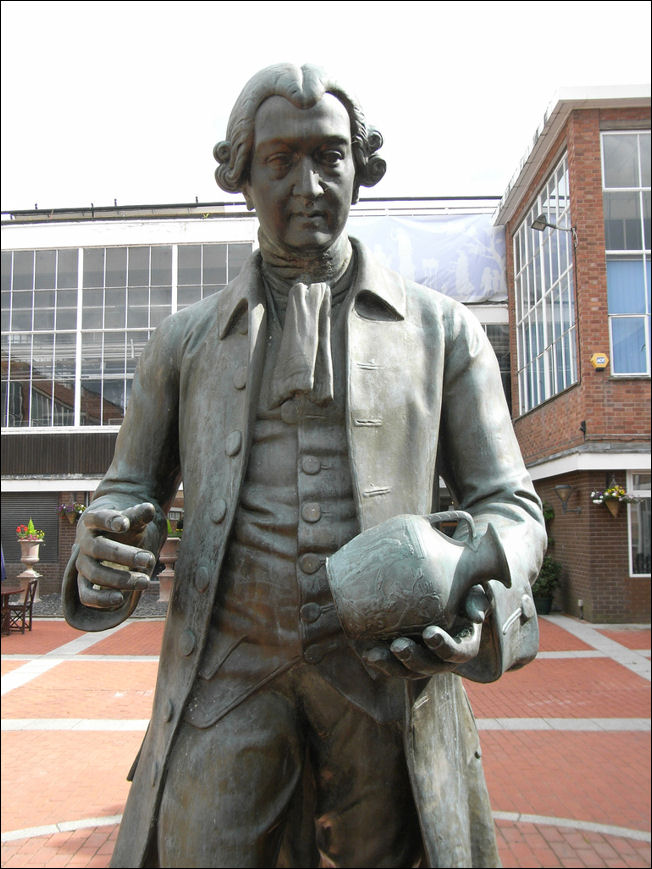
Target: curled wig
x=303 y=87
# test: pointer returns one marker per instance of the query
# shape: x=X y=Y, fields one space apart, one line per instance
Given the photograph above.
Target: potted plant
x=72 y=512
x=30 y=539
x=545 y=584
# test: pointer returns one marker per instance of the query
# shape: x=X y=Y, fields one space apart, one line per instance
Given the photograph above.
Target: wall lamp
x=563 y=492
x=541 y=222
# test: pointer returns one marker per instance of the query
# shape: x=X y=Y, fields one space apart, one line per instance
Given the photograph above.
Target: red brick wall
x=593 y=549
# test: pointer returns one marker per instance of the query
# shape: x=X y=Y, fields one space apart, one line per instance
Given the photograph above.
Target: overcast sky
x=125 y=100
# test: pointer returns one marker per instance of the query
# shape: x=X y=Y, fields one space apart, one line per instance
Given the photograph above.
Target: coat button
x=218 y=511
x=310 y=563
x=187 y=643
x=289 y=412
x=233 y=443
x=202 y=579
x=168 y=710
x=310 y=465
x=310 y=612
x=311 y=512
x=313 y=655
x=240 y=378
x=154 y=773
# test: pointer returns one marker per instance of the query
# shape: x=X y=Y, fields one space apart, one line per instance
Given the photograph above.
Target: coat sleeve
x=145 y=466
x=481 y=463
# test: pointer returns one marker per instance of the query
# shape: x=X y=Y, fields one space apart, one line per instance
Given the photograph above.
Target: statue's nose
x=307 y=181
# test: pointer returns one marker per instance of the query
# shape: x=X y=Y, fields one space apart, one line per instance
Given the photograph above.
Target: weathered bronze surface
x=315 y=398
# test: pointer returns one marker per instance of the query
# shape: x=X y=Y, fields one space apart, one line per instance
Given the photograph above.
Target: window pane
x=620 y=160
x=23 y=269
x=138 y=266
x=189 y=264
x=94 y=267
x=6 y=270
x=161 y=265
x=116 y=266
x=46 y=261
x=238 y=254
x=625 y=286
x=640 y=534
x=67 y=269
x=628 y=345
x=622 y=221
x=214 y=266
x=644 y=144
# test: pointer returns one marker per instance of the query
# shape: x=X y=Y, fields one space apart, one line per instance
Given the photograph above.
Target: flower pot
x=29 y=556
x=613 y=506
x=542 y=605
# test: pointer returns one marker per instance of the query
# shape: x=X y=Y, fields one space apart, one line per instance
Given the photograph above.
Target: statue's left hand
x=440 y=651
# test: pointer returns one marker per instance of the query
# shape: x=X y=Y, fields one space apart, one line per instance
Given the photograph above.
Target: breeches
x=295 y=769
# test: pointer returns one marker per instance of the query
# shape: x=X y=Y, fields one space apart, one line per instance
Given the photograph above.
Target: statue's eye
x=331 y=157
x=280 y=161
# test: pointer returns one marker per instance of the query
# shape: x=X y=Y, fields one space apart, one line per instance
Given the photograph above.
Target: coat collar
x=379 y=290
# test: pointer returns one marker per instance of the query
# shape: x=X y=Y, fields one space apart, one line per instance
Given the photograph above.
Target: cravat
x=304 y=363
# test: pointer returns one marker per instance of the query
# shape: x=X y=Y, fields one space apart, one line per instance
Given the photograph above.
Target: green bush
x=548 y=578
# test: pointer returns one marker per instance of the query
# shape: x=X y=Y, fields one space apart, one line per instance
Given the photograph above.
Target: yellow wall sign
x=599 y=361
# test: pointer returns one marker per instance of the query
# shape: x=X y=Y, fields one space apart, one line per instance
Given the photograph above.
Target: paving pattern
x=566 y=743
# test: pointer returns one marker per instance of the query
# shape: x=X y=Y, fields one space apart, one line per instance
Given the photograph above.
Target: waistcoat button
x=202 y=579
x=187 y=642
x=309 y=612
x=218 y=511
x=310 y=465
x=310 y=563
x=233 y=443
x=311 y=512
x=289 y=413
x=240 y=378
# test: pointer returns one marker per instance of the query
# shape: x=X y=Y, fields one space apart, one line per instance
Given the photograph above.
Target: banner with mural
x=461 y=255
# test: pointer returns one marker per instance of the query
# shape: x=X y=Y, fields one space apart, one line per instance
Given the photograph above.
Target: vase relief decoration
x=30 y=540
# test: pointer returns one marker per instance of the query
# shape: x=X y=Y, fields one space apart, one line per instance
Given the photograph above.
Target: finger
x=455 y=649
x=98 y=598
x=109 y=576
x=140 y=515
x=105 y=519
x=382 y=660
x=419 y=661
x=106 y=549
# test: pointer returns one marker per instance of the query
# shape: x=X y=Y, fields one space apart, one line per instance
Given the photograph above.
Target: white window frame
x=546 y=351
x=643 y=254
x=637 y=493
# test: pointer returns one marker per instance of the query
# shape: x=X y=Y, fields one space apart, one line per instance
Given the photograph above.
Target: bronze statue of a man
x=315 y=397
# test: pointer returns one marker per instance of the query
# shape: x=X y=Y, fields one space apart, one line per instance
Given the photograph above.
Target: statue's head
x=304 y=87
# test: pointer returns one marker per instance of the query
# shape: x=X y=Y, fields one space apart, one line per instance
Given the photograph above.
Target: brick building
x=579 y=291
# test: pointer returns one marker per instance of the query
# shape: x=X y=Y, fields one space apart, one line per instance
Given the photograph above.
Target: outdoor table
x=7 y=591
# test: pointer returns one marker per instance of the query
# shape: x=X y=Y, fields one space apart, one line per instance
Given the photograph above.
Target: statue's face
x=302 y=173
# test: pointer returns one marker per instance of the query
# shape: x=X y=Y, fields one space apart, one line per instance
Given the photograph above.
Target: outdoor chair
x=20 y=614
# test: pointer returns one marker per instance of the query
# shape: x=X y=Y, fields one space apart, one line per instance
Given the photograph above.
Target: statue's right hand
x=110 y=561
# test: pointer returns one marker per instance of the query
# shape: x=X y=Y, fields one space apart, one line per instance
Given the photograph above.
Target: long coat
x=424 y=397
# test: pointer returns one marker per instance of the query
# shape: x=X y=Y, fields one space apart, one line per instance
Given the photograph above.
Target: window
x=626 y=199
x=638 y=485
x=498 y=335
x=545 y=296
x=75 y=321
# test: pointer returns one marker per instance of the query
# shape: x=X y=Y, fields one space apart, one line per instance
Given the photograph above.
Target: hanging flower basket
x=612 y=506
x=612 y=497
x=72 y=512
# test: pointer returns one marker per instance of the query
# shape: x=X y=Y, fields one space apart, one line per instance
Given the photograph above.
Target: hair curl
x=303 y=87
